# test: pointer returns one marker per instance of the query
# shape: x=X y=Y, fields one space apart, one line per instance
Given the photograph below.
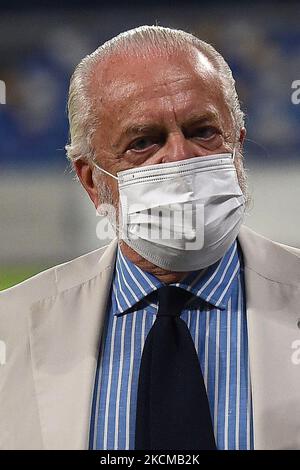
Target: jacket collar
x=64 y=331
x=66 y=327
x=269 y=259
x=212 y=285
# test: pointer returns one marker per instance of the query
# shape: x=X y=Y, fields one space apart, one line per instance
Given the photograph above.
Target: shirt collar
x=212 y=285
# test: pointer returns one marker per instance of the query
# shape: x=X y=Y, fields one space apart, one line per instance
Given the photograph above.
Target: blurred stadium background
x=45 y=217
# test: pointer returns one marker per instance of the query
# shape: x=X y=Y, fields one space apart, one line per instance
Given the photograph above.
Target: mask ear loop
x=233 y=153
x=106 y=172
x=114 y=226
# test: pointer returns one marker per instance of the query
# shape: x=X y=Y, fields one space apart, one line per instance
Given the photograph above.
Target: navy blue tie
x=172 y=406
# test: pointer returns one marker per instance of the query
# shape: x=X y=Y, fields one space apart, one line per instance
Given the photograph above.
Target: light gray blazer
x=51 y=326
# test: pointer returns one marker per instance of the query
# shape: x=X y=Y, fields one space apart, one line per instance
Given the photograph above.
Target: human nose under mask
x=183 y=215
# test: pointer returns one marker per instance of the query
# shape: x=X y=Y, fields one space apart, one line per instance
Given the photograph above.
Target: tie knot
x=172 y=300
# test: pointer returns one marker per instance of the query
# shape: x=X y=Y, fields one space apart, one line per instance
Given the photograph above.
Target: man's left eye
x=204 y=132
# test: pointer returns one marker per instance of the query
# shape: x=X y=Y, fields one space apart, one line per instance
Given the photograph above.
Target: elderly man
x=183 y=333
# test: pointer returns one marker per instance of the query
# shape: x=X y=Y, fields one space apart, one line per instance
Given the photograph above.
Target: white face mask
x=183 y=215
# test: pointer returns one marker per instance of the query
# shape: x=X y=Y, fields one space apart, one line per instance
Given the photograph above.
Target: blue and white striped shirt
x=219 y=330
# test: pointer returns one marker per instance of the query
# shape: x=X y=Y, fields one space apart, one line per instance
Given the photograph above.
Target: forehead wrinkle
x=121 y=91
x=139 y=101
x=115 y=78
x=136 y=128
x=194 y=117
x=124 y=92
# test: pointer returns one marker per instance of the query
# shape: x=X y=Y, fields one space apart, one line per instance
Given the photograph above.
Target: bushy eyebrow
x=137 y=129
x=210 y=117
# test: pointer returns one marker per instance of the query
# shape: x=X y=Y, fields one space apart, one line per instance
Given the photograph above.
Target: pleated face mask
x=183 y=215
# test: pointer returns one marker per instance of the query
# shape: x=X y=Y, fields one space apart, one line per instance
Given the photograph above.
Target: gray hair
x=139 y=41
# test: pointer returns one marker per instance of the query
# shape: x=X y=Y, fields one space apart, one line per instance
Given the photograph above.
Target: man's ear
x=84 y=172
x=243 y=133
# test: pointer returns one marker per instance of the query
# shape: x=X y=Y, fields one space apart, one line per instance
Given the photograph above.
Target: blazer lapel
x=65 y=331
x=272 y=278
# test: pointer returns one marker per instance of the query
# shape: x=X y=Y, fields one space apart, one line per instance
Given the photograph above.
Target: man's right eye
x=143 y=143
